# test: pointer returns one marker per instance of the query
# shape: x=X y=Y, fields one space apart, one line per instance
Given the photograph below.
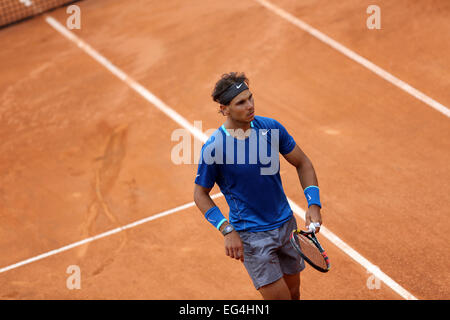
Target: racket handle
x=313 y=225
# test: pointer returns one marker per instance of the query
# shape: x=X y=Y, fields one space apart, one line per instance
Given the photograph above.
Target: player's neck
x=234 y=125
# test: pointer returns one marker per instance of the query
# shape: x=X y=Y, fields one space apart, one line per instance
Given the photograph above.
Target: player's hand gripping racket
x=307 y=245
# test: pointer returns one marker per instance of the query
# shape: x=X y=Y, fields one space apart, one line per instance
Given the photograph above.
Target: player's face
x=242 y=107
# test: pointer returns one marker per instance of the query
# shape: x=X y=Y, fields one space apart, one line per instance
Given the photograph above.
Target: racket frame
x=310 y=235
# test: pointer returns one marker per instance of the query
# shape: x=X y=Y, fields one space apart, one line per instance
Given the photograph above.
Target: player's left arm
x=307 y=176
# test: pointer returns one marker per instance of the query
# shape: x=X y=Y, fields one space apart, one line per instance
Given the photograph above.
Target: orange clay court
x=85 y=150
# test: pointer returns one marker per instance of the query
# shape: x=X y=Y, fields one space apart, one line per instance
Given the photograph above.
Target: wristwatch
x=229 y=228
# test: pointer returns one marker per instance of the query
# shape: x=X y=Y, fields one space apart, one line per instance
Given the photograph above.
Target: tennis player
x=242 y=157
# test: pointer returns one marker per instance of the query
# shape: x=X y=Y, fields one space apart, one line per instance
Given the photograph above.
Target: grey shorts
x=268 y=255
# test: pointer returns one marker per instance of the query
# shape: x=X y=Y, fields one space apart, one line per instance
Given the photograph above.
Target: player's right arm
x=202 y=198
x=233 y=244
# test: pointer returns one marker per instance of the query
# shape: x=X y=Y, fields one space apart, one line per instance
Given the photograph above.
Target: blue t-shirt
x=248 y=174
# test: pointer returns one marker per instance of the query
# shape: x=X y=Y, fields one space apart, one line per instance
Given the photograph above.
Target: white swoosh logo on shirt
x=264 y=132
x=238 y=86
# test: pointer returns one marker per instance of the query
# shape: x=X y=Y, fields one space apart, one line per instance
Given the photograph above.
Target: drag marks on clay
x=105 y=179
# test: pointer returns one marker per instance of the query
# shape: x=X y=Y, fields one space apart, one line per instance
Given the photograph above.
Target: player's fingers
x=307 y=222
x=240 y=253
x=236 y=253
x=231 y=252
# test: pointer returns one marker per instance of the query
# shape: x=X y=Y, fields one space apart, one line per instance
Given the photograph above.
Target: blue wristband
x=312 y=196
x=215 y=217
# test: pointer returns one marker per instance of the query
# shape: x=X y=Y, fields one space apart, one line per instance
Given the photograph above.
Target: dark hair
x=226 y=81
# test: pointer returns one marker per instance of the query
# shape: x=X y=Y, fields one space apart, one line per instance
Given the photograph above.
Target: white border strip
x=202 y=137
x=369 y=266
x=356 y=57
x=103 y=235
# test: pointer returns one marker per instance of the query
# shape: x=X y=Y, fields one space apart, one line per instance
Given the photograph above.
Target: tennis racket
x=309 y=248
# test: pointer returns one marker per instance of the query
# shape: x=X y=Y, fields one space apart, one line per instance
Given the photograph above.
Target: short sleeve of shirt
x=287 y=143
x=206 y=171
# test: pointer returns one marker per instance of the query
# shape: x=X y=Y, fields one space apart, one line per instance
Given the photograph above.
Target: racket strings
x=309 y=249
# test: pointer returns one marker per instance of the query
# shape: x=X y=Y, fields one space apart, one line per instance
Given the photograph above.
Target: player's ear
x=224 y=110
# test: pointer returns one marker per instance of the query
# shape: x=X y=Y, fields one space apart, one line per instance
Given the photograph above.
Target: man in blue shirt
x=242 y=157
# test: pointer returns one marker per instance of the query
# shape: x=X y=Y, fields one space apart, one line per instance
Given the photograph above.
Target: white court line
x=356 y=57
x=103 y=235
x=124 y=77
x=202 y=137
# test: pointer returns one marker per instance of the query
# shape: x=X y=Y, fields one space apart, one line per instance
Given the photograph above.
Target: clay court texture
x=86 y=123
